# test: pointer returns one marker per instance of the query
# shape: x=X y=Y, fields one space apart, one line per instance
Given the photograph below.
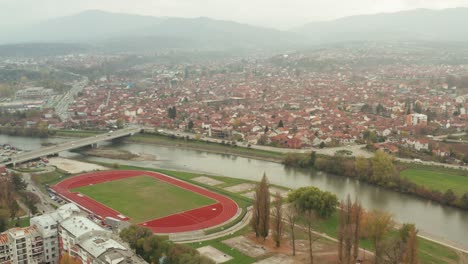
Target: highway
x=69 y=145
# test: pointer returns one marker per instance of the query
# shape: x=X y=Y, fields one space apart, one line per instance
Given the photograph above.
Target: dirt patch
x=246 y=246
x=111 y=153
x=214 y=254
x=282 y=192
x=74 y=166
x=207 y=180
x=277 y=259
x=240 y=187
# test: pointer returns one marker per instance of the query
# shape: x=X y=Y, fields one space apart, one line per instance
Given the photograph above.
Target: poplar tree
x=349 y=218
x=277 y=219
x=261 y=209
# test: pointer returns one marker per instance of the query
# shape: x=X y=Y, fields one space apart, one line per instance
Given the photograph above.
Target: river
x=441 y=222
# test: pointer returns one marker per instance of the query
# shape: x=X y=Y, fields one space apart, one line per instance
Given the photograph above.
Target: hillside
x=445 y=25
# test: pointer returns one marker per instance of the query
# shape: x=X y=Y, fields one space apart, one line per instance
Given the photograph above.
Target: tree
x=152 y=248
x=417 y=107
x=14 y=208
x=120 y=123
x=362 y=167
x=309 y=218
x=313 y=157
x=410 y=255
x=31 y=199
x=449 y=197
x=134 y=233
x=280 y=123
x=277 y=219
x=322 y=145
x=382 y=166
x=3 y=223
x=464 y=200
x=263 y=140
x=291 y=216
x=376 y=225
x=261 y=209
x=18 y=183
x=190 y=125
x=171 y=112
x=349 y=220
x=313 y=199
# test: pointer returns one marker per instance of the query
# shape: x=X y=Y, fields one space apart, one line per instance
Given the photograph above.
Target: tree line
x=379 y=170
x=157 y=249
x=12 y=189
x=308 y=206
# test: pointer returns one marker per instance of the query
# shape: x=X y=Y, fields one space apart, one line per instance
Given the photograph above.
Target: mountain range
x=125 y=32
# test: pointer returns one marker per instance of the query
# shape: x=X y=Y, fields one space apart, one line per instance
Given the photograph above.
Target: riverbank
x=206 y=146
x=191 y=144
x=111 y=153
x=427 y=188
x=430 y=251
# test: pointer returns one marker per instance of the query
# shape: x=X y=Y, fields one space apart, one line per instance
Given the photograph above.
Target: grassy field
x=144 y=198
x=49 y=178
x=437 y=180
x=207 y=146
x=429 y=252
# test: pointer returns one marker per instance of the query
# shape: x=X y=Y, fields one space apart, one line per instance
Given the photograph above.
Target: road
x=45 y=205
x=69 y=145
x=61 y=109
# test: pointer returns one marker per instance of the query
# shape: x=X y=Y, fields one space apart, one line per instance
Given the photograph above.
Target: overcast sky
x=281 y=14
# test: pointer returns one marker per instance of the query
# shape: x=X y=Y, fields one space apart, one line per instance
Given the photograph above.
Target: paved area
x=282 y=192
x=277 y=259
x=240 y=187
x=207 y=180
x=74 y=166
x=214 y=254
x=246 y=246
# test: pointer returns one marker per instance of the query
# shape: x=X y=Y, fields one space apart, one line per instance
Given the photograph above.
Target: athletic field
x=144 y=198
x=154 y=200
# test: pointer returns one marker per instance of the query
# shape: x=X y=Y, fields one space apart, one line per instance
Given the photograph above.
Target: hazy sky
x=274 y=13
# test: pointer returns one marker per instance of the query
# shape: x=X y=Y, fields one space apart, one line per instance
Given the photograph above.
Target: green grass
x=22 y=222
x=429 y=252
x=143 y=198
x=207 y=146
x=437 y=180
x=238 y=257
x=49 y=178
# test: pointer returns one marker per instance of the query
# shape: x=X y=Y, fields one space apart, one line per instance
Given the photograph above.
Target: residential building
x=21 y=246
x=66 y=230
x=416 y=119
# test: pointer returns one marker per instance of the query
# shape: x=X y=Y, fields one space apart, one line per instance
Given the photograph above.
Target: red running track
x=199 y=218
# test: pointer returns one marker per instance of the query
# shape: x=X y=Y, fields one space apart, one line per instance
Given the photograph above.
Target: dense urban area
x=145 y=157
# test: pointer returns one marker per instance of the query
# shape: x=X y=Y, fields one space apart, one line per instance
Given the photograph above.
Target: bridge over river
x=69 y=145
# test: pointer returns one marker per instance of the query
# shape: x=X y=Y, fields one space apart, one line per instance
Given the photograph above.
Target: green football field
x=144 y=198
x=437 y=180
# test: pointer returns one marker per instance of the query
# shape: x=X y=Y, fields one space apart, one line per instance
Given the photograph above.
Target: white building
x=83 y=239
x=21 y=246
x=63 y=231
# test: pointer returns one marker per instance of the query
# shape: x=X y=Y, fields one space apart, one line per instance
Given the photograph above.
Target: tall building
x=64 y=231
x=21 y=246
